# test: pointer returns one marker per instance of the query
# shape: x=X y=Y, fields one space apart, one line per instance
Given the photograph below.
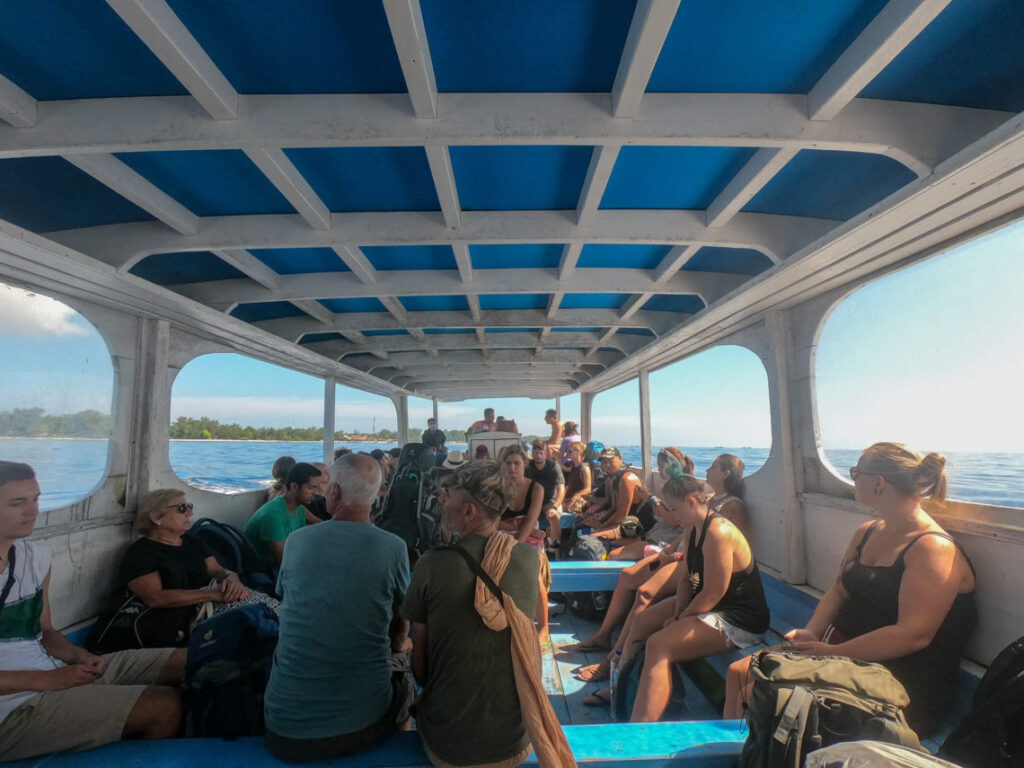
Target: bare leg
x=631 y=579
x=737 y=688
x=543 y=634
x=634 y=550
x=156 y=715
x=686 y=639
x=555 y=525
x=644 y=625
x=174 y=668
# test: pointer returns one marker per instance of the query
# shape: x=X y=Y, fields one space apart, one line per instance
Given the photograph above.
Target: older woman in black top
x=170 y=572
x=904 y=595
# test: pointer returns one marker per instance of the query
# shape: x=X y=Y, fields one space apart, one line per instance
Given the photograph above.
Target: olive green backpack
x=801 y=703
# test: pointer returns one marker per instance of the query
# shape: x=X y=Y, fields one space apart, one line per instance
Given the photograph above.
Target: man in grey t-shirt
x=337 y=684
x=468 y=713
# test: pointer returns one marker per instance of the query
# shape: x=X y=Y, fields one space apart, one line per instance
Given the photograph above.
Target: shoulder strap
x=866 y=536
x=480 y=572
x=9 y=584
x=941 y=534
x=704 y=529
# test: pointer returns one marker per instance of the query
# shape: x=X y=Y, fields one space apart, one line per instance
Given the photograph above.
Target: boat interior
x=448 y=200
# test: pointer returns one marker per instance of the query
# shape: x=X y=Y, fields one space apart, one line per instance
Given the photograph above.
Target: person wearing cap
x=549 y=475
x=620 y=494
x=434 y=439
x=469 y=712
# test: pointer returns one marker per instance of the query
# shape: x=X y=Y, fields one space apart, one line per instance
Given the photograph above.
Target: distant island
x=35 y=422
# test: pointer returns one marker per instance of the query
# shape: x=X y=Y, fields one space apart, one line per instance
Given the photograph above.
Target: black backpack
x=802 y=703
x=226 y=673
x=587 y=605
x=992 y=733
x=235 y=552
x=404 y=509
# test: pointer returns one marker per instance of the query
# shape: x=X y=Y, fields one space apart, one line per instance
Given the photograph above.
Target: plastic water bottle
x=614 y=682
x=651 y=549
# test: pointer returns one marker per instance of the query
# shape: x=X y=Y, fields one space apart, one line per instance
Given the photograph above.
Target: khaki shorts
x=85 y=716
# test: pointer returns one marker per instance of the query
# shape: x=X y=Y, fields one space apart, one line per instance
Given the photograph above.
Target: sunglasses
x=183 y=509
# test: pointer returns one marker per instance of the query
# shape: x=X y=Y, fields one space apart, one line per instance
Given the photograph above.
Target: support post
x=402 y=407
x=645 y=425
x=586 y=406
x=151 y=406
x=435 y=410
x=794 y=568
x=558 y=407
x=330 y=387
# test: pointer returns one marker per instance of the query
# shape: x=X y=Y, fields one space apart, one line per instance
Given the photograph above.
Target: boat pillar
x=330 y=388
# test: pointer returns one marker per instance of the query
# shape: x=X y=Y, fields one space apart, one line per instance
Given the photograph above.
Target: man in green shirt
x=275 y=520
x=468 y=713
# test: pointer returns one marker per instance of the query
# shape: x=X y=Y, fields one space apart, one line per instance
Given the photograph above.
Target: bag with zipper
x=128 y=623
x=587 y=605
x=801 y=703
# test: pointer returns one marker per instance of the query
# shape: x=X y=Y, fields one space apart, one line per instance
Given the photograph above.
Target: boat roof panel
x=528 y=45
x=599 y=187
x=328 y=47
x=58 y=50
x=752 y=46
x=47 y=193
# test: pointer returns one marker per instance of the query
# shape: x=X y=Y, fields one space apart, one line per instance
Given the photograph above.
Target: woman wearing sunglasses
x=169 y=572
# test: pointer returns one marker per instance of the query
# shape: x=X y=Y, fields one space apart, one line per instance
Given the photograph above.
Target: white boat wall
x=215 y=205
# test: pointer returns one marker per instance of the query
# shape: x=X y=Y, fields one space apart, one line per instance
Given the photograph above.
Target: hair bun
x=934 y=464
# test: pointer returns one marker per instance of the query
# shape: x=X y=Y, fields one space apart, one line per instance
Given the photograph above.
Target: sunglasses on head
x=184 y=508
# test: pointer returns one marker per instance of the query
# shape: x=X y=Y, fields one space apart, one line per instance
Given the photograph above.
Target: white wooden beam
x=554 y=302
x=163 y=33
x=316 y=310
x=673 y=262
x=602 y=161
x=567 y=264
x=245 y=262
x=474 y=306
x=417 y=360
x=394 y=306
x=440 y=163
x=330 y=392
x=888 y=34
x=132 y=186
x=916 y=135
x=283 y=174
x=750 y=180
x=633 y=305
x=406 y=21
x=652 y=20
x=356 y=338
x=463 y=261
x=17 y=107
x=357 y=263
x=481 y=335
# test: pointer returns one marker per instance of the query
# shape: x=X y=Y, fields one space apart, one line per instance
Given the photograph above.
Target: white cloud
x=29 y=315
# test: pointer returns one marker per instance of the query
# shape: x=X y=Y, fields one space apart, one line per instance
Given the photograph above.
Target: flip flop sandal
x=597 y=700
x=594 y=673
x=589 y=647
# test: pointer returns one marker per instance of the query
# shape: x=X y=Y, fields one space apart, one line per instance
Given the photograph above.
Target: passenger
x=434 y=439
x=578 y=479
x=719 y=601
x=274 y=521
x=340 y=680
x=554 y=441
x=55 y=696
x=486 y=425
x=171 y=572
x=482 y=452
x=549 y=475
x=339 y=452
x=725 y=475
x=904 y=594
x=524 y=499
x=455 y=459
x=279 y=472
x=570 y=435
x=619 y=499
x=316 y=510
x=477 y=703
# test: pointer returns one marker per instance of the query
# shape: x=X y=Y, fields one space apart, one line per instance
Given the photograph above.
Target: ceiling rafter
x=674 y=260
x=884 y=38
x=749 y=180
x=123 y=245
x=252 y=267
x=118 y=176
x=440 y=162
x=463 y=261
x=415 y=359
x=651 y=23
x=405 y=18
x=357 y=263
x=162 y=32
x=17 y=107
x=709 y=286
x=916 y=135
x=320 y=313
x=570 y=256
x=283 y=174
x=602 y=161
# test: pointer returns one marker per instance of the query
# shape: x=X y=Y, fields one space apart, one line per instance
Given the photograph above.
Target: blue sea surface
x=69 y=470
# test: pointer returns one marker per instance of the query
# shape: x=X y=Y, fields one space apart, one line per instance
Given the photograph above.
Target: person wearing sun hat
x=463 y=635
x=454 y=459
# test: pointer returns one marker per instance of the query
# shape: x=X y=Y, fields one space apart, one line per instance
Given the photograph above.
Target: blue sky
x=932 y=355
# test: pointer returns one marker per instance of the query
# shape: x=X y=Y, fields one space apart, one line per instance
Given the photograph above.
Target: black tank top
x=574 y=482
x=510 y=513
x=743 y=605
x=929 y=675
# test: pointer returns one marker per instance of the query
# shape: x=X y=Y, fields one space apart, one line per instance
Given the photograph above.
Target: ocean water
x=69 y=470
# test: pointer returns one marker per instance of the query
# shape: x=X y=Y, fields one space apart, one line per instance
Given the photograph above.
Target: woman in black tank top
x=904 y=596
x=719 y=601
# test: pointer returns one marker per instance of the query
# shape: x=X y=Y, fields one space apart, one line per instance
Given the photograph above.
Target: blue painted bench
x=701 y=744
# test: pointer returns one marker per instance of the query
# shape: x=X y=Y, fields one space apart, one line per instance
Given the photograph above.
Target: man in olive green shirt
x=468 y=713
x=274 y=521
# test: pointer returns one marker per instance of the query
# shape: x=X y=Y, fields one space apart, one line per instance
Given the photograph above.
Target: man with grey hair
x=339 y=681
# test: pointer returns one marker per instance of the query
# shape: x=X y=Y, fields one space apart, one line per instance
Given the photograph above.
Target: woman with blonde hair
x=524 y=499
x=904 y=594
